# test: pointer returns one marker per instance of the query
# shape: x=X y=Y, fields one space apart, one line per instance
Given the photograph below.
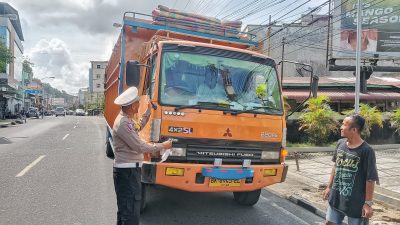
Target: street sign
x=33 y=92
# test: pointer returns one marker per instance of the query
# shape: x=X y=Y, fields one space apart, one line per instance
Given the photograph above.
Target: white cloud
x=62 y=37
x=52 y=58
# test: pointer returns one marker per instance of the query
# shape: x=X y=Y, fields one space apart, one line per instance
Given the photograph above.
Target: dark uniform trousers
x=127 y=183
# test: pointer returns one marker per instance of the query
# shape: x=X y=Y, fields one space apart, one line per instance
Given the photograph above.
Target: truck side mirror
x=314 y=86
x=132 y=73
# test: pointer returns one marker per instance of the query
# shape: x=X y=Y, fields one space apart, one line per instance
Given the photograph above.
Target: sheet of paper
x=165 y=156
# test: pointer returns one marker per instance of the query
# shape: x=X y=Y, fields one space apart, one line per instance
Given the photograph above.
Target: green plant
x=372 y=116
x=318 y=120
x=286 y=105
x=261 y=91
x=6 y=57
x=395 y=120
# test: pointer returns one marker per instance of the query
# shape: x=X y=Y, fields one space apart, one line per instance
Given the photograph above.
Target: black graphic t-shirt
x=353 y=168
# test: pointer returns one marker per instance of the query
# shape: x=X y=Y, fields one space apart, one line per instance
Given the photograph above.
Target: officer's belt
x=128 y=165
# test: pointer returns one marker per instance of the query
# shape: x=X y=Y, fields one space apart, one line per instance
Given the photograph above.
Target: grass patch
x=305 y=145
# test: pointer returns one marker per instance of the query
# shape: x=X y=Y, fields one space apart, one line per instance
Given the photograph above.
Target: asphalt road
x=54 y=171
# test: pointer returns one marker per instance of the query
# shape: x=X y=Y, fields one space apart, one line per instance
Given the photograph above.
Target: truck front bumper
x=197 y=177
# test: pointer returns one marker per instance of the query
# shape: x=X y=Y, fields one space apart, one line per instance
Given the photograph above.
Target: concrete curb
x=306 y=205
x=387 y=197
x=331 y=149
x=4 y=124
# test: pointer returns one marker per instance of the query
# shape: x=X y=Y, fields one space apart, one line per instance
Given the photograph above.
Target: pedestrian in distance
x=128 y=152
x=351 y=184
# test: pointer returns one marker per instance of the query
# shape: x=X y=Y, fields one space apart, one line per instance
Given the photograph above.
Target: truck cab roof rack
x=147 y=21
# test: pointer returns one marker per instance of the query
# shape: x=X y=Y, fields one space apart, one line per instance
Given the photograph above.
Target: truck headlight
x=269 y=155
x=284 y=133
x=176 y=152
x=155 y=130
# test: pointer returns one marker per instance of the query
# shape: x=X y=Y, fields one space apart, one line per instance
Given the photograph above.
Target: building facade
x=96 y=83
x=11 y=37
x=81 y=97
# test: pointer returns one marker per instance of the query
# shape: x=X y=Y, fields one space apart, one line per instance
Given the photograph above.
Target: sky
x=62 y=37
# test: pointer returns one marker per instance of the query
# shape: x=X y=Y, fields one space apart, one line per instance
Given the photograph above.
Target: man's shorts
x=334 y=216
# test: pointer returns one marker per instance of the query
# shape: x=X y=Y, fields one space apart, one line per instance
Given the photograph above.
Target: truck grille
x=228 y=154
x=230 y=151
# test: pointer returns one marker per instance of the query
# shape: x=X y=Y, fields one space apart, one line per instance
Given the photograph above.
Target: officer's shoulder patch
x=129 y=127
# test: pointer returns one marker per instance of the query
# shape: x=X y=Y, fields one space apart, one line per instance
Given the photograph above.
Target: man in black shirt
x=352 y=181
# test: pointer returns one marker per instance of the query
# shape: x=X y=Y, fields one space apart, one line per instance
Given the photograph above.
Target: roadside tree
x=372 y=117
x=318 y=120
x=6 y=57
x=395 y=120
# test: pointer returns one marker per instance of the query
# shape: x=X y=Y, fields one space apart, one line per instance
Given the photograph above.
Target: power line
x=321 y=26
x=300 y=18
x=258 y=10
x=292 y=22
x=201 y=10
x=249 y=4
x=230 y=8
x=186 y=5
x=278 y=11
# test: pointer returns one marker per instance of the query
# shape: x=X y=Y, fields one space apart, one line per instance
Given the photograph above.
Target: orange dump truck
x=215 y=96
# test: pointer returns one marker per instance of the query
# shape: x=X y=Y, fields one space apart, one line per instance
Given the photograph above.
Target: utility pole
x=283 y=57
x=358 y=58
x=329 y=33
x=269 y=36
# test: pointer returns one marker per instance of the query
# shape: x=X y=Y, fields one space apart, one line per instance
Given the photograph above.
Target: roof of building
x=342 y=88
x=375 y=81
x=6 y=8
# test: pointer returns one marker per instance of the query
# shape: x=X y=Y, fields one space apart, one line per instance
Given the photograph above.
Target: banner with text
x=380 y=28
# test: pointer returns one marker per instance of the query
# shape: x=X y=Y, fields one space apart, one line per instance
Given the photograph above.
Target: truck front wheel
x=248 y=198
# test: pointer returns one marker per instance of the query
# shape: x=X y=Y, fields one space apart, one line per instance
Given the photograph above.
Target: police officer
x=128 y=151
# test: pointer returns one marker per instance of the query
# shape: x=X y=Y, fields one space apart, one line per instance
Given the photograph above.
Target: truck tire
x=248 y=198
x=143 y=199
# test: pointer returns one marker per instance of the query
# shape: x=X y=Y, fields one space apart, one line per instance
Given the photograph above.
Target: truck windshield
x=189 y=79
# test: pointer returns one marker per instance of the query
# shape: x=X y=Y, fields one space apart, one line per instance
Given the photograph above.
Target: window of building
x=98 y=66
x=98 y=76
x=98 y=85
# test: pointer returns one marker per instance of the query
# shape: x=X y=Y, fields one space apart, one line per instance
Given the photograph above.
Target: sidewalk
x=11 y=122
x=6 y=123
x=388 y=163
x=315 y=169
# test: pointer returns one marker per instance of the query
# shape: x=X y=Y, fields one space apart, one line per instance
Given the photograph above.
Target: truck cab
x=218 y=99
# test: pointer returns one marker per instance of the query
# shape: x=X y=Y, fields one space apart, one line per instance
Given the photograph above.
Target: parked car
x=79 y=112
x=69 y=112
x=33 y=112
x=60 y=111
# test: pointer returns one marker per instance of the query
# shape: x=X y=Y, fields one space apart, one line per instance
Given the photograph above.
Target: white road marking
x=30 y=166
x=299 y=220
x=65 y=137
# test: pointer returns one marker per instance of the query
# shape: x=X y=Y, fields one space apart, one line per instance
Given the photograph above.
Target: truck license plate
x=223 y=183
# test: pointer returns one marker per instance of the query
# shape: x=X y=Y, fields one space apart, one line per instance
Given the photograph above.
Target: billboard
x=57 y=101
x=380 y=28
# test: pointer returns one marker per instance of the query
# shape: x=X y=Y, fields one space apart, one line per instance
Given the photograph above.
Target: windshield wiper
x=252 y=109
x=204 y=104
